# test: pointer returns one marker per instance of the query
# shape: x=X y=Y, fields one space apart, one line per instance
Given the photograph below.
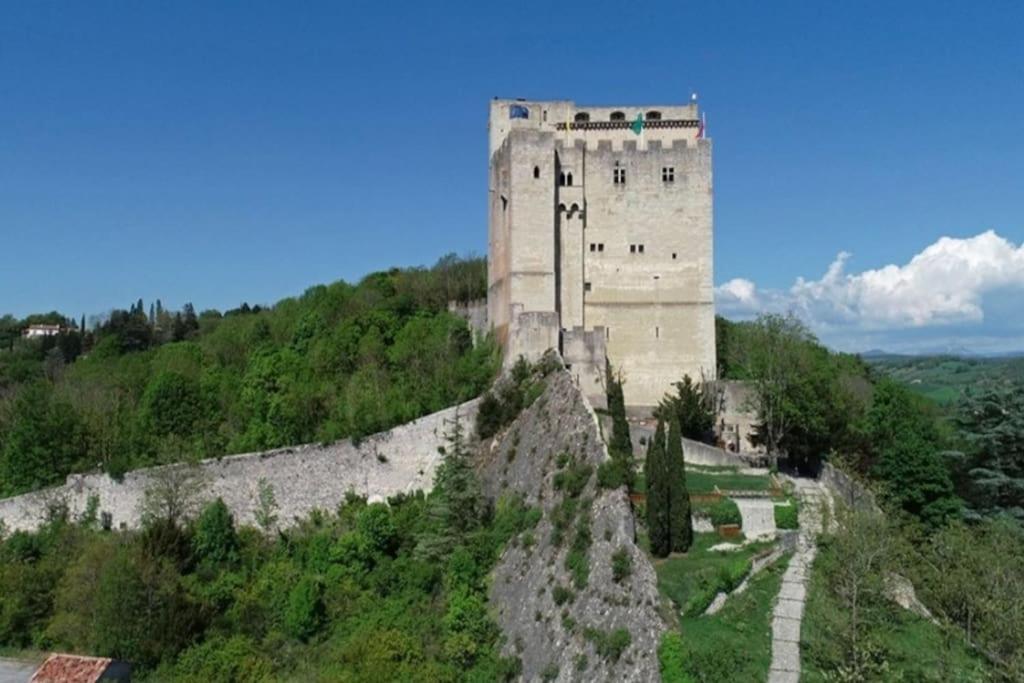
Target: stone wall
x=847 y=489
x=475 y=315
x=587 y=361
x=698 y=453
x=303 y=478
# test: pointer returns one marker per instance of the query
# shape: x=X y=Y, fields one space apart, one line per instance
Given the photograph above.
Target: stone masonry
x=596 y=228
x=303 y=478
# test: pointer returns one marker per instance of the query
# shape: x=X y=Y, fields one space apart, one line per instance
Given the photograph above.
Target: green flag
x=638 y=125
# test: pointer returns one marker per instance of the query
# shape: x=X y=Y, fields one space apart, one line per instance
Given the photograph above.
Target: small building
x=737 y=418
x=65 y=668
x=37 y=331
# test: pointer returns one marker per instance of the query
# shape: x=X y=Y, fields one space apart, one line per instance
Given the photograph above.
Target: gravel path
x=789 y=608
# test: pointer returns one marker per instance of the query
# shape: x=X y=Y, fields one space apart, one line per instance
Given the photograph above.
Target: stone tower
x=600 y=241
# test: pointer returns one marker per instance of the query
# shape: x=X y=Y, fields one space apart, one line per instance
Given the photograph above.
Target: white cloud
x=945 y=284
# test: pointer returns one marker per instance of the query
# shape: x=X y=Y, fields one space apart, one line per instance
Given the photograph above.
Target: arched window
x=561 y=207
x=561 y=179
x=617 y=116
x=536 y=171
x=518 y=111
x=574 y=208
x=568 y=179
x=654 y=116
x=581 y=117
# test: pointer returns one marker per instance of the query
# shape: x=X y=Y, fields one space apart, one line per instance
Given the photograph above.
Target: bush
x=622 y=565
x=610 y=646
x=787 y=516
x=562 y=595
x=725 y=512
x=672 y=659
x=305 y=613
x=612 y=474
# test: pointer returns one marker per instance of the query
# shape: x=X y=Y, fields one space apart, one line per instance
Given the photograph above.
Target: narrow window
x=536 y=171
x=586 y=286
x=568 y=179
x=504 y=202
x=561 y=179
x=619 y=176
x=607 y=333
x=593 y=247
x=668 y=174
x=640 y=248
x=632 y=249
x=657 y=332
x=600 y=246
x=673 y=255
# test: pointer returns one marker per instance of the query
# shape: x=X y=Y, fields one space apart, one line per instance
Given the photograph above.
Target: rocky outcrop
x=570 y=624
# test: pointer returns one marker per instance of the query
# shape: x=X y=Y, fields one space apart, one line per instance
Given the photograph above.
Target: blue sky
x=221 y=152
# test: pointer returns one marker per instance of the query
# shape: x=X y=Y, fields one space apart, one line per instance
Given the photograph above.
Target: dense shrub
x=622 y=565
x=609 y=645
x=672 y=659
x=341 y=360
x=724 y=512
x=787 y=516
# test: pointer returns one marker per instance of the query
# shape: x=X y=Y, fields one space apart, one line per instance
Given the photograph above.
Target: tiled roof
x=71 y=669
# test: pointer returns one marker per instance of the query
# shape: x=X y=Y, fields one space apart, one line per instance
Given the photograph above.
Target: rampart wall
x=303 y=478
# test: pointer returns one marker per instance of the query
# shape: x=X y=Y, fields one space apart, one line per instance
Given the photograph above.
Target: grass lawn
x=692 y=580
x=703 y=480
x=914 y=649
x=736 y=643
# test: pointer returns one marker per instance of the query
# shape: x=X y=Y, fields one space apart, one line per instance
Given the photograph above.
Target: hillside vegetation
x=341 y=360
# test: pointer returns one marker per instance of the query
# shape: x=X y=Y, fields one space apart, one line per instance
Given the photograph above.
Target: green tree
x=991 y=423
x=680 y=523
x=173 y=404
x=659 y=505
x=906 y=448
x=694 y=407
x=305 y=615
x=43 y=442
x=214 y=539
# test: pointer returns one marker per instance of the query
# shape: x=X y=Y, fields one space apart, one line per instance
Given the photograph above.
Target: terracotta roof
x=71 y=669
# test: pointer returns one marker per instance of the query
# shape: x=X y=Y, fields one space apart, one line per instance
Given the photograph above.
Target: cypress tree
x=658 y=529
x=680 y=524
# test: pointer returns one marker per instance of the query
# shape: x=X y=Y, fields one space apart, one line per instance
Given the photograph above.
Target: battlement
x=661 y=122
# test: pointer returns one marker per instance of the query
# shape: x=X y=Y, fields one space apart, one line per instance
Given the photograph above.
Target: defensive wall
x=303 y=478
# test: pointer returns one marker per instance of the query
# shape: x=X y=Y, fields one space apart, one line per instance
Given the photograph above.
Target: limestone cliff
x=555 y=595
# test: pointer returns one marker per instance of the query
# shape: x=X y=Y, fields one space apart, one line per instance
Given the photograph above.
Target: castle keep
x=600 y=241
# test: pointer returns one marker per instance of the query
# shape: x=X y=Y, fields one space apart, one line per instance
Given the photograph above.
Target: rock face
x=555 y=438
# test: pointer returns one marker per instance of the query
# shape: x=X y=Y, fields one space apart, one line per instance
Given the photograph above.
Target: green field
x=701 y=480
x=945 y=378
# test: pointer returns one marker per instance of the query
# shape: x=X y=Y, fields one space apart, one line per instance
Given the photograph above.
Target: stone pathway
x=789 y=608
